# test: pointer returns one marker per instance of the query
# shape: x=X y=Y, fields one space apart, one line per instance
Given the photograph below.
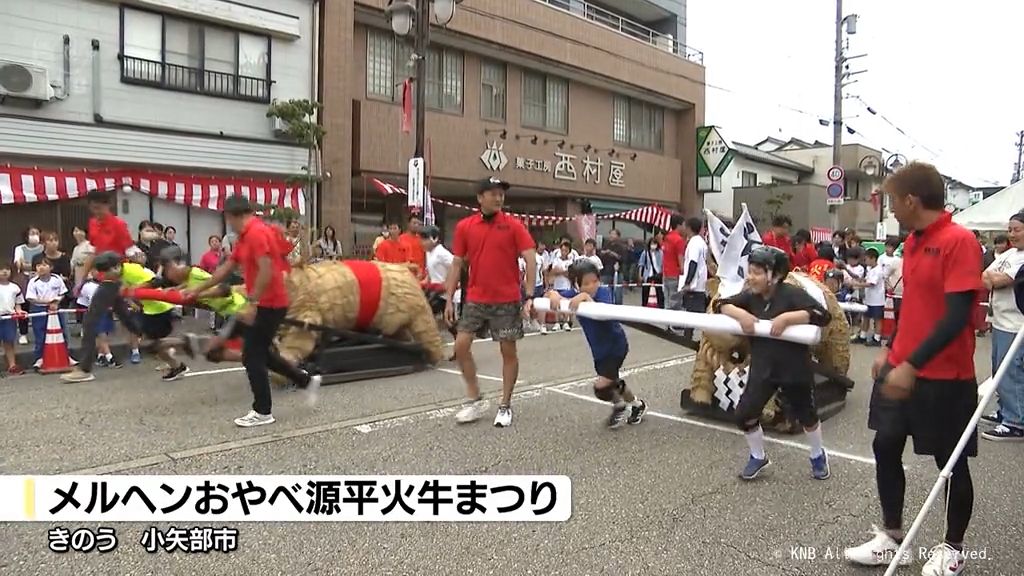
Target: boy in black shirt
x=775 y=363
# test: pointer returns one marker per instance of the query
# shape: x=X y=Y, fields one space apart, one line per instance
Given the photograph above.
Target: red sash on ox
x=370 y=290
x=158 y=295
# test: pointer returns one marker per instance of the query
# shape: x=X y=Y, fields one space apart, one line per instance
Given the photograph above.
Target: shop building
x=579 y=107
x=163 y=100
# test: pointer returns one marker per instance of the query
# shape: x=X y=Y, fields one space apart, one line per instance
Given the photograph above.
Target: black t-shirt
x=59 y=266
x=771 y=358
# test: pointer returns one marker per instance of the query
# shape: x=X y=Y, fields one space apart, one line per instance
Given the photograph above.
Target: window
x=492 y=90
x=748 y=179
x=545 y=102
x=389 y=63
x=180 y=54
x=638 y=124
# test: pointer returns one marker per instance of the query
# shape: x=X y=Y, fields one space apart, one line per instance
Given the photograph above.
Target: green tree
x=301 y=126
x=775 y=202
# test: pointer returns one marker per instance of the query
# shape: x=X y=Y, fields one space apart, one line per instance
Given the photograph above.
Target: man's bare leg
x=475 y=406
x=509 y=370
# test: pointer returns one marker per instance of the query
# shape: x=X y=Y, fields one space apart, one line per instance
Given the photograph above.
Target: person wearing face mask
x=81 y=252
x=649 y=266
x=24 y=254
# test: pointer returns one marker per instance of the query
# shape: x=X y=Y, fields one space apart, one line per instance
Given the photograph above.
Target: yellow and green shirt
x=135 y=275
x=228 y=305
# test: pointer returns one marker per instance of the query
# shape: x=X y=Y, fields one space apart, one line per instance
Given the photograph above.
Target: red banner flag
x=407 y=106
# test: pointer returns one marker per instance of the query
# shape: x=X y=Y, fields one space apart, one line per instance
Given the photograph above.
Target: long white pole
x=989 y=388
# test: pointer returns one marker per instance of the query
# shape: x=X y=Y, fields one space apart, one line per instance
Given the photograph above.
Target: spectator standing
x=803 y=250
x=11 y=301
x=1007 y=320
x=82 y=250
x=674 y=249
x=300 y=250
x=413 y=246
x=328 y=247
x=649 y=264
x=44 y=294
x=390 y=250
x=694 y=286
x=614 y=257
x=778 y=235
x=24 y=255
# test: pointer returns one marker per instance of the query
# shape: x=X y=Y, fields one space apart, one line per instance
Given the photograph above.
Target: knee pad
x=606 y=393
x=216 y=355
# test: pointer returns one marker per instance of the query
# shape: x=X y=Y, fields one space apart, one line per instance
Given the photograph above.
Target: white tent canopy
x=993 y=212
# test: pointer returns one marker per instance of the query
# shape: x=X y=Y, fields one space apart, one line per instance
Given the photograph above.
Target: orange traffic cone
x=652 y=297
x=55 y=349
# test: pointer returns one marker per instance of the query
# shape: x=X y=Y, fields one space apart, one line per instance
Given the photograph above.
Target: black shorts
x=935 y=415
x=157 y=326
x=796 y=396
x=609 y=367
x=875 y=312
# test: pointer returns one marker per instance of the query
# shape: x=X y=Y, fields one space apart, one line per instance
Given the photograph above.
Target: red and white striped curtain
x=28 y=185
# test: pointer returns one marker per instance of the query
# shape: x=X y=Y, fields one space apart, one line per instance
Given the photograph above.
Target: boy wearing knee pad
x=776 y=364
x=607 y=342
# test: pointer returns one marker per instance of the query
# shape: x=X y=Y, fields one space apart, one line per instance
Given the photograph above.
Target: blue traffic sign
x=835 y=190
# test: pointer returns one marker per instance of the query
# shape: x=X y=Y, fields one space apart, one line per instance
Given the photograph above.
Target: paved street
x=660 y=498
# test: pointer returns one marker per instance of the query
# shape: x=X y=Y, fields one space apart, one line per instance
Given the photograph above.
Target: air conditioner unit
x=26 y=81
x=280 y=126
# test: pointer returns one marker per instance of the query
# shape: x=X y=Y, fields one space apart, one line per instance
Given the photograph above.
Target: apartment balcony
x=626 y=27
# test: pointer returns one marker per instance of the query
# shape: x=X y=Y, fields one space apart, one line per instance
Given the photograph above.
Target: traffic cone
x=652 y=297
x=55 y=349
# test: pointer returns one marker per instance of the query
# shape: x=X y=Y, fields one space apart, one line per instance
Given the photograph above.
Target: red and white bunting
x=820 y=234
x=29 y=185
x=654 y=215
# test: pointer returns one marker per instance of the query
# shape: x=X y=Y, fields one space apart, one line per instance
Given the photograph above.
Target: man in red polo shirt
x=673 y=248
x=778 y=236
x=925 y=384
x=413 y=244
x=497 y=296
x=108 y=234
x=261 y=251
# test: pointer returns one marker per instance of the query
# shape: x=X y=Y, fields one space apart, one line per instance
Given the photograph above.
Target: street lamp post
x=413 y=17
x=841 y=74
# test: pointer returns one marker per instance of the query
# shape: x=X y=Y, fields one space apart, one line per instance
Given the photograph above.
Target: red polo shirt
x=492 y=249
x=673 y=247
x=256 y=240
x=941 y=259
x=781 y=242
x=110 y=234
x=391 y=251
x=414 y=250
x=803 y=258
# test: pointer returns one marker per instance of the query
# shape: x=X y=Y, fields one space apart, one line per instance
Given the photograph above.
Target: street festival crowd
x=484 y=283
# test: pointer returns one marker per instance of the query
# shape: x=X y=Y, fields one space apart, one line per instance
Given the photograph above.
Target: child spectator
x=823 y=263
x=44 y=294
x=104 y=328
x=10 y=305
x=874 y=298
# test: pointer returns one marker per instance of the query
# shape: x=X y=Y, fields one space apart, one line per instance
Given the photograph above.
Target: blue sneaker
x=136 y=357
x=754 y=467
x=819 y=466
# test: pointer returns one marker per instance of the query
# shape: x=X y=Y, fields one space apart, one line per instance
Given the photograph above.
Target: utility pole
x=422 y=40
x=837 y=110
x=1017 y=168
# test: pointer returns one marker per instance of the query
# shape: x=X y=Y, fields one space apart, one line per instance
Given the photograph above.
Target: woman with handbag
x=649 y=268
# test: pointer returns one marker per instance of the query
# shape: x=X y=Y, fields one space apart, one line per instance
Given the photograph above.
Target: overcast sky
x=943 y=71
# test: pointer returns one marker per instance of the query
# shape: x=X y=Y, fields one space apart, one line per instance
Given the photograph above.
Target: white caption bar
x=285 y=498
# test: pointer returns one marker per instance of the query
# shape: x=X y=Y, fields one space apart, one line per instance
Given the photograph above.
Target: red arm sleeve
x=524 y=241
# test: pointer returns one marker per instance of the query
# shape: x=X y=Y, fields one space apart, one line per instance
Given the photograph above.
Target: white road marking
x=720 y=428
x=480 y=376
x=220 y=371
x=533 y=393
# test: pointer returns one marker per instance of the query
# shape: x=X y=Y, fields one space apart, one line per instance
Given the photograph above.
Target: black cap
x=490 y=184
x=432 y=232
x=107 y=261
x=237 y=205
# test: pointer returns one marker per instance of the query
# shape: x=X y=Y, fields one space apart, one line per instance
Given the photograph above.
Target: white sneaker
x=878 y=551
x=254 y=418
x=566 y=327
x=471 y=412
x=943 y=560
x=313 y=389
x=23 y=340
x=543 y=329
x=503 y=419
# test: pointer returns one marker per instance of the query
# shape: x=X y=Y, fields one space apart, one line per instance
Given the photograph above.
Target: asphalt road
x=659 y=498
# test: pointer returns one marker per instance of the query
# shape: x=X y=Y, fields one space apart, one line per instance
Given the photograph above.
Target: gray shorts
x=503 y=322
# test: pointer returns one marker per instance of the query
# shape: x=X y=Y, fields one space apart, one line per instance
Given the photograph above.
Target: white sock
x=635 y=403
x=814 y=437
x=109 y=357
x=863 y=334
x=135 y=350
x=755 y=440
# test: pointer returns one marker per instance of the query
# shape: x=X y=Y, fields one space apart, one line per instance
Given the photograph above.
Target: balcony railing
x=598 y=15
x=188 y=79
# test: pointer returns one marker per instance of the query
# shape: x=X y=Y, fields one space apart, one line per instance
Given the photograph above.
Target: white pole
x=947 y=470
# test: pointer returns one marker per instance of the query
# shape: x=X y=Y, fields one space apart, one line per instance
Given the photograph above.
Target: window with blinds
x=389 y=62
x=545 y=102
x=638 y=124
x=492 y=90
